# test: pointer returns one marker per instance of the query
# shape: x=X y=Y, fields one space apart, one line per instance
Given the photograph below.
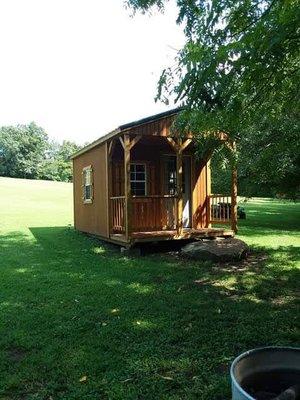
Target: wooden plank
x=234 y=199
x=74 y=194
x=108 y=186
x=135 y=141
x=122 y=142
x=152 y=236
x=111 y=146
x=179 y=188
x=127 y=185
x=172 y=143
x=208 y=191
x=186 y=143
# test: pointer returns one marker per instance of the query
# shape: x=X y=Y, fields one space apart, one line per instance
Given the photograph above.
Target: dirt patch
x=253 y=262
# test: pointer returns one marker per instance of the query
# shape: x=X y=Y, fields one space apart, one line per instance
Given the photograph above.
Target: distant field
x=271 y=223
x=80 y=321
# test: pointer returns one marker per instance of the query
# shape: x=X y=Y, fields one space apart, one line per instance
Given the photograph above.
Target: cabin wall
x=92 y=218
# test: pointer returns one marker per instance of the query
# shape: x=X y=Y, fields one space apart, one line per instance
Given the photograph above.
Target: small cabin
x=141 y=183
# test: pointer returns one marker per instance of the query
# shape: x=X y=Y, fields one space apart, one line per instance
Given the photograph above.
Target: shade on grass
x=78 y=320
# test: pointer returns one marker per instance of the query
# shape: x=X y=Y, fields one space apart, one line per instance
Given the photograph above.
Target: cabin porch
x=154 y=218
x=158 y=191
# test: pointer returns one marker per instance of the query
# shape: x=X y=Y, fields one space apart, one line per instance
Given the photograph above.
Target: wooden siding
x=92 y=218
x=150 y=149
x=159 y=127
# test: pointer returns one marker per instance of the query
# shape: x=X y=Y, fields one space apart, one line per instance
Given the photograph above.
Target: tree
x=26 y=152
x=239 y=73
x=22 y=150
x=57 y=165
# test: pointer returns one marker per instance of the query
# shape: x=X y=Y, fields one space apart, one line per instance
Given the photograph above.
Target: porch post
x=234 y=199
x=179 y=224
x=208 y=194
x=127 y=186
x=234 y=193
x=109 y=184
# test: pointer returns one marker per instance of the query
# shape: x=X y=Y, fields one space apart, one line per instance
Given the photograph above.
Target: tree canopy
x=239 y=73
x=22 y=150
x=27 y=152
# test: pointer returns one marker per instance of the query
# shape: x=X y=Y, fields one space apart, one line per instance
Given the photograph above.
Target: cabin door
x=170 y=180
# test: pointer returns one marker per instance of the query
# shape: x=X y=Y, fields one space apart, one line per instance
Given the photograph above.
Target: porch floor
x=188 y=233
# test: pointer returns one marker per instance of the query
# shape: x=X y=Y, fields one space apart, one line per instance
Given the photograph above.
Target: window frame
x=145 y=181
x=89 y=169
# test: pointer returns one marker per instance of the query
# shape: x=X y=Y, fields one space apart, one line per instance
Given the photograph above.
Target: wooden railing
x=148 y=213
x=117 y=214
x=219 y=209
x=153 y=213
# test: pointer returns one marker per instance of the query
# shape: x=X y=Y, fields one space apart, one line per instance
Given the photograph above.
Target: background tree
x=27 y=152
x=57 y=165
x=22 y=150
x=239 y=73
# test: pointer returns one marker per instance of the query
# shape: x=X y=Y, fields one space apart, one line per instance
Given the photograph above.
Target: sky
x=80 y=68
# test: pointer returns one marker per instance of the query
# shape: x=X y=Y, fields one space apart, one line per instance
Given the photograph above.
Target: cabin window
x=138 y=179
x=87 y=184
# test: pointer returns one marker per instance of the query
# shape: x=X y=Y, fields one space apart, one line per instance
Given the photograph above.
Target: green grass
x=137 y=328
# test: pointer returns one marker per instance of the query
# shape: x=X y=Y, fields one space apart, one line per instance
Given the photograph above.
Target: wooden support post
x=186 y=143
x=179 y=151
x=135 y=140
x=172 y=143
x=127 y=186
x=208 y=193
x=122 y=142
x=234 y=199
x=109 y=150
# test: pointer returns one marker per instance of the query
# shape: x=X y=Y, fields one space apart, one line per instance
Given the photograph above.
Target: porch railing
x=153 y=213
x=148 y=213
x=219 y=209
x=158 y=212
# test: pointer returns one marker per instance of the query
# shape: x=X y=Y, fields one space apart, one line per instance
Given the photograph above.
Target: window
x=87 y=184
x=138 y=179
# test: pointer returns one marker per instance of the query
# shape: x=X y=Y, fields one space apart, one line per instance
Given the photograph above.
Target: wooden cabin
x=139 y=183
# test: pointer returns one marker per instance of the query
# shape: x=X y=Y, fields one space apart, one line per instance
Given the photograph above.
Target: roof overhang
x=124 y=128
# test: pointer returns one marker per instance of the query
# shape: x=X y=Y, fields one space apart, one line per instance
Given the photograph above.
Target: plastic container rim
x=247 y=353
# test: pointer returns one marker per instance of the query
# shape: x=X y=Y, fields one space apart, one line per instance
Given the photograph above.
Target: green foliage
x=22 y=150
x=155 y=327
x=269 y=161
x=270 y=158
x=26 y=152
x=57 y=165
x=239 y=73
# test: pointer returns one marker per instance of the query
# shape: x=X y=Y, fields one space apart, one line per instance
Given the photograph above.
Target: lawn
x=81 y=321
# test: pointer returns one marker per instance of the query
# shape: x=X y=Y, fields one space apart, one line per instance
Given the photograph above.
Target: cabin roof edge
x=126 y=127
